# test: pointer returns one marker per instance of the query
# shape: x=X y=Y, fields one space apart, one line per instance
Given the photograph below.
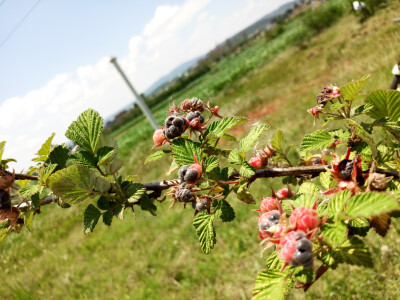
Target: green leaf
x=134 y=192
x=370 y=204
x=103 y=203
x=107 y=217
x=84 y=158
x=243 y=193
x=277 y=141
x=363 y=134
x=350 y=90
x=385 y=104
x=210 y=163
x=256 y=131
x=119 y=212
x=75 y=183
x=86 y=130
x=334 y=234
x=316 y=140
x=44 y=151
x=273 y=261
x=184 y=151
x=114 y=166
x=2 y=145
x=354 y=252
x=219 y=128
x=336 y=203
x=148 y=205
x=222 y=174
x=225 y=212
x=28 y=219
x=46 y=172
x=59 y=156
x=35 y=201
x=173 y=167
x=359 y=226
x=30 y=190
x=247 y=170
x=105 y=154
x=228 y=137
x=90 y=218
x=235 y=157
x=337 y=106
x=339 y=134
x=362 y=109
x=203 y=223
x=156 y=155
x=271 y=284
x=326 y=180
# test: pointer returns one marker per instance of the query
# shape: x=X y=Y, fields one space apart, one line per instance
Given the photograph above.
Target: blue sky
x=56 y=64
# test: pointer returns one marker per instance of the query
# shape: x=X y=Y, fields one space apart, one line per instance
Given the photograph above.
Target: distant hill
x=178 y=71
x=248 y=31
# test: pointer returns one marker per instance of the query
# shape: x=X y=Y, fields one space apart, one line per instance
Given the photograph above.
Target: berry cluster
x=328 y=93
x=193 y=104
x=174 y=127
x=290 y=235
x=195 y=119
x=184 y=193
x=296 y=249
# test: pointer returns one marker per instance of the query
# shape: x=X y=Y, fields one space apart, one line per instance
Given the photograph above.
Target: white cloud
x=174 y=35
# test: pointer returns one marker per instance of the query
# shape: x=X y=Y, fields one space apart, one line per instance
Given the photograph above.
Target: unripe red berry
x=268 y=204
x=304 y=219
x=284 y=193
x=256 y=162
x=159 y=138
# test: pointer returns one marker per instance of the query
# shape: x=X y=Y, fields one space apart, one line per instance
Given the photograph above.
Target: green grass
x=159 y=257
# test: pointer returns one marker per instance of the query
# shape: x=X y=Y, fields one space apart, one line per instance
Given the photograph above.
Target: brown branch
x=22 y=176
x=321 y=271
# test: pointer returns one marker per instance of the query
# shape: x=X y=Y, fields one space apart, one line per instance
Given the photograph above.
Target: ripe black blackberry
x=174 y=127
x=5 y=202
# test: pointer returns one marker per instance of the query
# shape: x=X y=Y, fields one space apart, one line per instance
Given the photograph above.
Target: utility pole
x=139 y=99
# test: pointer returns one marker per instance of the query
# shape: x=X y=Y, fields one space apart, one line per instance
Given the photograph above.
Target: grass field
x=159 y=257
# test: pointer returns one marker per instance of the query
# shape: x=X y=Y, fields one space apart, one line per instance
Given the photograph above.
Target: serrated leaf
x=148 y=205
x=184 y=151
x=334 y=234
x=134 y=192
x=350 y=90
x=329 y=119
x=362 y=109
x=30 y=190
x=107 y=217
x=105 y=154
x=337 y=106
x=84 y=158
x=273 y=261
x=358 y=226
x=354 y=252
x=336 y=203
x=90 y=218
x=246 y=170
x=205 y=231
x=256 y=131
x=44 y=151
x=272 y=284
x=103 y=203
x=339 y=134
x=156 y=155
x=326 y=180
x=370 y=204
x=59 y=156
x=101 y=184
x=46 y=172
x=381 y=224
x=225 y=212
x=219 y=128
x=235 y=157
x=73 y=184
x=63 y=204
x=210 y=163
x=303 y=274
x=222 y=174
x=309 y=188
x=316 y=140
x=385 y=104
x=86 y=130
x=28 y=219
x=35 y=201
x=277 y=141
x=119 y=212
